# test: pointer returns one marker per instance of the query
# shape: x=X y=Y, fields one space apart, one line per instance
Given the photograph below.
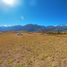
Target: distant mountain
x=28 y=27
x=33 y=28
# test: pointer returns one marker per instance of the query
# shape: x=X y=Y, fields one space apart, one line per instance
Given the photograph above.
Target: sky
x=41 y=12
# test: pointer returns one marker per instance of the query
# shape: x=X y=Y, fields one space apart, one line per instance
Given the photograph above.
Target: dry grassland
x=33 y=50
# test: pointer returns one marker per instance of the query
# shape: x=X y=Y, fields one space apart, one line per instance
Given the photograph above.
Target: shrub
x=21 y=65
x=53 y=65
x=10 y=61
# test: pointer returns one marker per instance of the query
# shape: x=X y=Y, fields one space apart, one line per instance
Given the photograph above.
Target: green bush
x=21 y=65
x=53 y=65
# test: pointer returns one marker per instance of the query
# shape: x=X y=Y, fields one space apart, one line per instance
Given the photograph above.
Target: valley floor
x=32 y=50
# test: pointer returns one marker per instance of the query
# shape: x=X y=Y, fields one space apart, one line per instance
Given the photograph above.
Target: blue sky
x=42 y=12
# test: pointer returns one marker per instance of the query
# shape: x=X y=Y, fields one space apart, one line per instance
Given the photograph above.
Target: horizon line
x=6 y=25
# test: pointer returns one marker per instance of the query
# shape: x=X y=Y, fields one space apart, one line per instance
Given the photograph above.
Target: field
x=32 y=50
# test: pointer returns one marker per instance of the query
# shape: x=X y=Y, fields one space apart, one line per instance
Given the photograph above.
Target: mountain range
x=33 y=28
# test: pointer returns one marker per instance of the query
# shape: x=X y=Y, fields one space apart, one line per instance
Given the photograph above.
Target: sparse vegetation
x=10 y=61
x=53 y=65
x=1 y=61
x=34 y=50
x=21 y=65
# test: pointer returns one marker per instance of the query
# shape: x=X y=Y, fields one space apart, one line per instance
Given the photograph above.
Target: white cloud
x=5 y=25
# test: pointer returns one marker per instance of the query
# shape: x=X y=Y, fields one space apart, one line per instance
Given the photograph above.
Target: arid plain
x=32 y=50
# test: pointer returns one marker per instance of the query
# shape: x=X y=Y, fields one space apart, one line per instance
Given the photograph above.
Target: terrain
x=33 y=28
x=32 y=50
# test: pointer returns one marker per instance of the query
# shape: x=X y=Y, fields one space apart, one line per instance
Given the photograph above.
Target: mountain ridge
x=33 y=28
